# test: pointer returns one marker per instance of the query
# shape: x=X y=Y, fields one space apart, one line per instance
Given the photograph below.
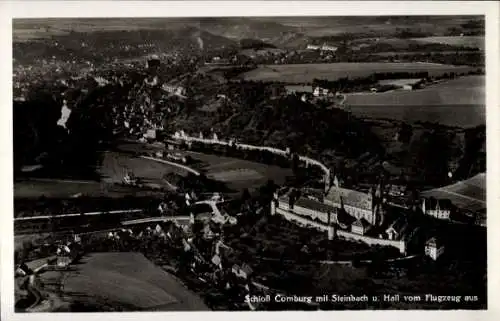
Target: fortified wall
x=303 y=221
x=181 y=135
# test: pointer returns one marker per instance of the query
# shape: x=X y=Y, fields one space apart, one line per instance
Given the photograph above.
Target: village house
x=63 y=256
x=434 y=248
x=244 y=272
x=320 y=92
x=179 y=91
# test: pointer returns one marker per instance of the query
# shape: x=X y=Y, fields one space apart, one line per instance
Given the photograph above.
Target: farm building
x=434 y=248
x=294 y=89
x=323 y=47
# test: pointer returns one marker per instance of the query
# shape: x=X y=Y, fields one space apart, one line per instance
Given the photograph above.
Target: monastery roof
x=349 y=197
x=314 y=192
x=314 y=205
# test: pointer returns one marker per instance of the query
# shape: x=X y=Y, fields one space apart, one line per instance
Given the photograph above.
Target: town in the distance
x=231 y=164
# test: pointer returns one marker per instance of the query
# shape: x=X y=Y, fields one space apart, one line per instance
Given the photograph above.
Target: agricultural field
x=239 y=174
x=113 y=169
x=34 y=188
x=465 y=41
x=459 y=102
x=306 y=73
x=399 y=82
x=30 y=29
x=115 y=165
x=468 y=195
x=125 y=279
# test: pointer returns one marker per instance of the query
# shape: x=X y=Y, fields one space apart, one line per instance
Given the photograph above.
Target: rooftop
x=315 y=205
x=433 y=242
x=349 y=197
x=361 y=223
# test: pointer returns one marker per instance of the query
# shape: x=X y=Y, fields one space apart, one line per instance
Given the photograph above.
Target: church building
x=358 y=204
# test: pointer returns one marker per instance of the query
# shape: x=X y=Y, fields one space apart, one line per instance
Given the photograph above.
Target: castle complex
x=338 y=205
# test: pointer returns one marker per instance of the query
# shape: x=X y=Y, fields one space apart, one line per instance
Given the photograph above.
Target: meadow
x=239 y=174
x=306 y=73
x=112 y=170
x=464 y=41
x=115 y=165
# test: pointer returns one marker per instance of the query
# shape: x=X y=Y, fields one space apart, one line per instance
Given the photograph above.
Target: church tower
x=377 y=199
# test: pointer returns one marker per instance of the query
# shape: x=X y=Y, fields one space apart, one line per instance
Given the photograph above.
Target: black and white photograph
x=249 y=163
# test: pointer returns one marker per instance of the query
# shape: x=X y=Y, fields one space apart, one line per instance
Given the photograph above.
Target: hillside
x=122 y=43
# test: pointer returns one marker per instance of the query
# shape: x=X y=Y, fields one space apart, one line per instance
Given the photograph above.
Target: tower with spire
x=377 y=200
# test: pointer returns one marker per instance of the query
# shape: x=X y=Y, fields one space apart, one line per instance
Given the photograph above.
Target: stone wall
x=215 y=140
x=400 y=245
